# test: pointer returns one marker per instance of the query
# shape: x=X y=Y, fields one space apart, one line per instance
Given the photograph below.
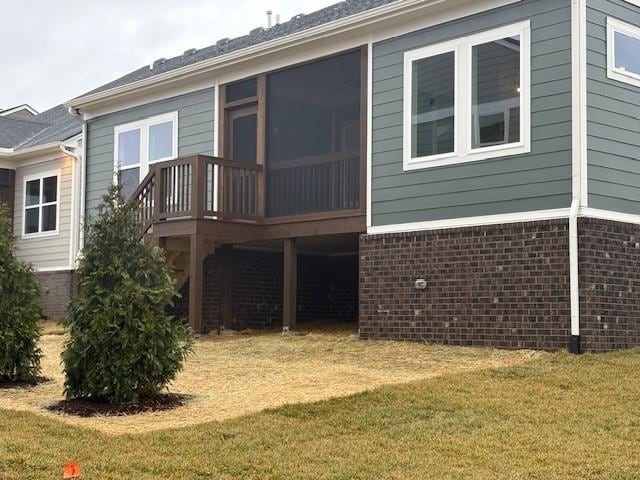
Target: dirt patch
x=88 y=408
x=232 y=376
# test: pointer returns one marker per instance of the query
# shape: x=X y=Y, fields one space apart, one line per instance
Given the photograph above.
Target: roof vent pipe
x=157 y=63
x=269 y=14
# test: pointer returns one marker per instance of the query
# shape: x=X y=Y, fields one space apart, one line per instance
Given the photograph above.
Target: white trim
x=369 y=130
x=538 y=215
x=584 y=191
x=387 y=21
x=144 y=126
x=216 y=141
x=463 y=92
x=26 y=107
x=41 y=176
x=472 y=221
x=146 y=98
x=29 y=152
x=610 y=215
x=53 y=269
x=616 y=26
x=7 y=164
x=634 y=2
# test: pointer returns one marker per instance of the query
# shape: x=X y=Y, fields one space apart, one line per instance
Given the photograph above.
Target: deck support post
x=196 y=282
x=226 y=319
x=289 y=303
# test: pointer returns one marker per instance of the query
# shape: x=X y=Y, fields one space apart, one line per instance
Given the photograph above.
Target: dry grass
x=52 y=328
x=233 y=376
x=558 y=417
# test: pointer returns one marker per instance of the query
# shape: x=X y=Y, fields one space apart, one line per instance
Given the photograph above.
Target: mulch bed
x=90 y=408
x=10 y=385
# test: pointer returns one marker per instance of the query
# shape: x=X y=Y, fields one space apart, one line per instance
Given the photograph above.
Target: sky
x=54 y=50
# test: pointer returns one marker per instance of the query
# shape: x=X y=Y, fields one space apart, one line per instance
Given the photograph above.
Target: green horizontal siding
x=195 y=135
x=613 y=117
x=536 y=181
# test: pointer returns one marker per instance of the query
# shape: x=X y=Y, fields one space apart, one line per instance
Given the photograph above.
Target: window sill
x=487 y=153
x=29 y=236
x=619 y=76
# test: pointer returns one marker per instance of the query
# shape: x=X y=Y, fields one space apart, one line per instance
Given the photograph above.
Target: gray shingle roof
x=296 y=24
x=54 y=125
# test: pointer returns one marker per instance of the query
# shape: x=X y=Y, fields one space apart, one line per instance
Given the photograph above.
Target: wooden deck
x=198 y=205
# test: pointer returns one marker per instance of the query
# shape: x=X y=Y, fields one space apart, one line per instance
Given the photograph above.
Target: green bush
x=123 y=345
x=19 y=312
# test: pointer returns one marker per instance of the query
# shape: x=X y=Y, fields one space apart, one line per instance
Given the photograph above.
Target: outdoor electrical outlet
x=421 y=284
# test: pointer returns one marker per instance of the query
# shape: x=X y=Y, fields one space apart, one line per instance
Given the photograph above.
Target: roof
x=54 y=125
x=27 y=111
x=257 y=36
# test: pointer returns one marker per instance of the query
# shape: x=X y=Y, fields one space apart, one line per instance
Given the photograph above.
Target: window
x=41 y=205
x=242 y=90
x=140 y=144
x=623 y=52
x=468 y=99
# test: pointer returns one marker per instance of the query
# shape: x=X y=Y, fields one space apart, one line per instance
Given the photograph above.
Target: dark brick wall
x=609 y=268
x=343 y=288
x=501 y=286
x=327 y=289
x=56 y=291
x=257 y=289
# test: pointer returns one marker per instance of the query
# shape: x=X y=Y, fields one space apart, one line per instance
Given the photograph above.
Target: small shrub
x=19 y=312
x=123 y=346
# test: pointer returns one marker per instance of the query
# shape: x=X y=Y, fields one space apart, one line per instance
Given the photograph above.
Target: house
x=40 y=183
x=462 y=171
x=20 y=112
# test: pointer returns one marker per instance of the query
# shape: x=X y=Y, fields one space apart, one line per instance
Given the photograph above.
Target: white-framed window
x=141 y=144
x=41 y=205
x=623 y=52
x=468 y=99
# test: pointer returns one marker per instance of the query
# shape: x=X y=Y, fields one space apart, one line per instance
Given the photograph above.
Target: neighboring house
x=20 y=112
x=464 y=172
x=39 y=181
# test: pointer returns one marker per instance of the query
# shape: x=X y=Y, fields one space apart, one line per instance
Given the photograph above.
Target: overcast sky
x=54 y=50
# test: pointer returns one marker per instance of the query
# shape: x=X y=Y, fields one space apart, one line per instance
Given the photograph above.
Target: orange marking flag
x=71 y=470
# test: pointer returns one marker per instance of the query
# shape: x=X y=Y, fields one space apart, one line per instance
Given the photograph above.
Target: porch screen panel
x=313 y=137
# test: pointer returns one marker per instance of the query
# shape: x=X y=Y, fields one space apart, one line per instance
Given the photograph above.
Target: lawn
x=555 y=416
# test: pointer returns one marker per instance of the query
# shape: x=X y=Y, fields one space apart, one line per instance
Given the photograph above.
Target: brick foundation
x=609 y=266
x=327 y=289
x=502 y=286
x=56 y=291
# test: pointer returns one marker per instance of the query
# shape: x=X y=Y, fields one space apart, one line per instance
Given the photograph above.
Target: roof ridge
x=295 y=24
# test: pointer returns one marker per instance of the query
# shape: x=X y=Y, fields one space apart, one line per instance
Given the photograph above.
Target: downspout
x=574 y=282
x=83 y=186
x=74 y=205
x=579 y=152
x=83 y=168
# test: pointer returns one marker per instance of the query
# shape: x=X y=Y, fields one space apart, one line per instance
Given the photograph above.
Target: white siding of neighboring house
x=51 y=252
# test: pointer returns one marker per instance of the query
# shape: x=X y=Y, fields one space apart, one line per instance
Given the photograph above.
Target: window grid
x=41 y=205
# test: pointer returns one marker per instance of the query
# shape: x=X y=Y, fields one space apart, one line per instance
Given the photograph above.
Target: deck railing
x=203 y=187
x=200 y=187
